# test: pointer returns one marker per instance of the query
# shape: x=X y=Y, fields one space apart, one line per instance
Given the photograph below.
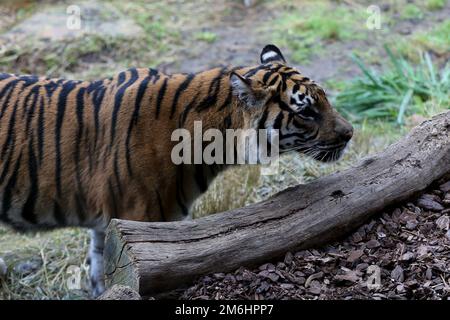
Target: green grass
x=437 y=39
x=435 y=4
x=206 y=36
x=306 y=27
x=402 y=89
x=410 y=12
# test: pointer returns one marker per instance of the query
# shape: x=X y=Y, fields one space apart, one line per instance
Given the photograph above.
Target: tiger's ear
x=249 y=91
x=271 y=53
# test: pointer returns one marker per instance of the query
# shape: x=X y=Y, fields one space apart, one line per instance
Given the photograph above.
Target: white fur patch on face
x=300 y=100
x=269 y=55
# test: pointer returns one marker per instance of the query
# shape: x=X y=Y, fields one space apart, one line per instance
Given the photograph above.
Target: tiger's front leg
x=96 y=270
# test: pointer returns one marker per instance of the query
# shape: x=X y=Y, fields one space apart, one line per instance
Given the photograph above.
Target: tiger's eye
x=308 y=113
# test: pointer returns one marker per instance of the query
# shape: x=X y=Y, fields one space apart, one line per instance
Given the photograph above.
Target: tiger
x=80 y=153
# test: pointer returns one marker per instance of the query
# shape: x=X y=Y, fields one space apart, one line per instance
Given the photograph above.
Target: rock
x=447 y=234
x=347 y=278
x=263 y=287
x=315 y=287
x=411 y=224
x=287 y=286
x=407 y=256
x=299 y=280
x=397 y=274
x=446 y=200
x=120 y=292
x=372 y=244
x=263 y=274
x=428 y=202
x=98 y=18
x=357 y=237
x=400 y=288
x=3 y=269
x=313 y=277
x=443 y=223
x=406 y=216
x=445 y=187
x=273 y=276
x=354 y=255
x=429 y=274
x=288 y=258
x=422 y=251
x=362 y=266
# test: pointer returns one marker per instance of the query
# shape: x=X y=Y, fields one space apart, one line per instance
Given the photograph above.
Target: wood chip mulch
x=403 y=253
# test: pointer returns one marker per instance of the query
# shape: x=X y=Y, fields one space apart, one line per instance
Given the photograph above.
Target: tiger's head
x=277 y=96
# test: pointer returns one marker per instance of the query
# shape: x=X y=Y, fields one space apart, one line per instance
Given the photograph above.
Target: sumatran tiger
x=80 y=153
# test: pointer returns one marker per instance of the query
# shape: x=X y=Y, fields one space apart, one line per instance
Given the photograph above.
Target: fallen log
x=119 y=292
x=156 y=257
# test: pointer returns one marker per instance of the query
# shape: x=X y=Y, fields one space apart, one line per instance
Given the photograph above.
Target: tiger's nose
x=347 y=133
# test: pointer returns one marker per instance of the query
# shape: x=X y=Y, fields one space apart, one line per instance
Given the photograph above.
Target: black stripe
x=10 y=134
x=121 y=78
x=253 y=71
x=5 y=170
x=79 y=196
x=183 y=86
x=9 y=88
x=294 y=134
x=227 y=101
x=61 y=109
x=284 y=106
x=227 y=122
x=4 y=76
x=31 y=110
x=98 y=90
x=214 y=88
x=155 y=75
x=116 y=171
x=288 y=74
x=160 y=97
x=118 y=102
x=40 y=131
x=7 y=192
x=79 y=109
x=187 y=109
x=267 y=76
x=80 y=208
x=200 y=178
x=50 y=88
x=113 y=199
x=58 y=214
x=274 y=80
x=28 y=213
x=179 y=194
x=160 y=205
x=134 y=119
x=262 y=120
x=278 y=123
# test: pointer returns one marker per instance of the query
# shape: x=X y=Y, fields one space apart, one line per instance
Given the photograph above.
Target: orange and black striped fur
x=79 y=153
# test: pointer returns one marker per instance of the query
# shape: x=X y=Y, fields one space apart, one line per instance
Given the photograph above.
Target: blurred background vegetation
x=384 y=80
